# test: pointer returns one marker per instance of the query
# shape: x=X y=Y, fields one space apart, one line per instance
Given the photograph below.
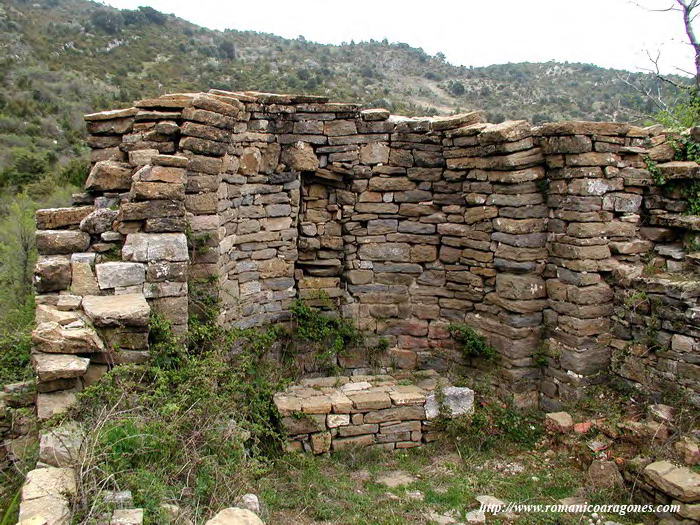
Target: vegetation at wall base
x=470 y=343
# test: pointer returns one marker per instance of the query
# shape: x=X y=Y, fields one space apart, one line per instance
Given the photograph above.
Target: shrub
x=153 y=16
x=457 y=88
x=333 y=334
x=108 y=20
x=25 y=167
x=494 y=425
x=471 y=343
x=187 y=426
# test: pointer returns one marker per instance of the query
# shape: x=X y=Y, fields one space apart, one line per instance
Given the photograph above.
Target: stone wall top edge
x=315 y=103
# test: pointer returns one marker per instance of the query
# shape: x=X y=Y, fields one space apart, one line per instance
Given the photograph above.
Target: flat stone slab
x=679 y=482
x=235 y=516
x=59 y=366
x=49 y=481
x=127 y=517
x=117 y=310
x=53 y=338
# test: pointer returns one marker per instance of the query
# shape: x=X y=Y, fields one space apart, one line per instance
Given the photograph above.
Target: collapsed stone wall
x=530 y=235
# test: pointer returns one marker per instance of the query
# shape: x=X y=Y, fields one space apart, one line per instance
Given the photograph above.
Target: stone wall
x=381 y=411
x=532 y=235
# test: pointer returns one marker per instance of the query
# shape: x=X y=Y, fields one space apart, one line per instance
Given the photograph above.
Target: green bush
x=25 y=167
x=333 y=334
x=188 y=424
x=471 y=344
x=494 y=425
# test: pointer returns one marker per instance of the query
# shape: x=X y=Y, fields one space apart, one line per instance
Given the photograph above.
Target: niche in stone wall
x=321 y=255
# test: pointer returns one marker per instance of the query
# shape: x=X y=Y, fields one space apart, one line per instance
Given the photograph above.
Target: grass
x=343 y=489
x=197 y=427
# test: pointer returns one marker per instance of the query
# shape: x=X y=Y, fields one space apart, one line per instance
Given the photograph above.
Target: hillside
x=62 y=58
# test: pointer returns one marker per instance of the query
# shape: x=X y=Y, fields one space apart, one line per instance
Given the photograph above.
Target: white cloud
x=609 y=33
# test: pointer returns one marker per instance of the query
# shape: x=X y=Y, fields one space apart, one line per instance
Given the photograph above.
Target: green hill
x=62 y=58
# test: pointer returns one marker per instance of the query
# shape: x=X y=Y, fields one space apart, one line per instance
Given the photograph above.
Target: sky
x=608 y=33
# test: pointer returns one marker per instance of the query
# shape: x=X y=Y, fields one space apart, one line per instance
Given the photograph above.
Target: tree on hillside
x=684 y=112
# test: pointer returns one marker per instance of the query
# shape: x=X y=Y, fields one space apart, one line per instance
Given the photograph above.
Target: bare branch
x=688 y=8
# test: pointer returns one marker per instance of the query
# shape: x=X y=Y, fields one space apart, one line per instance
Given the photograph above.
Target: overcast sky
x=609 y=33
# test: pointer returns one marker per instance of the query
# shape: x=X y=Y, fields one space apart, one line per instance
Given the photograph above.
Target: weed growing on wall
x=471 y=344
x=332 y=334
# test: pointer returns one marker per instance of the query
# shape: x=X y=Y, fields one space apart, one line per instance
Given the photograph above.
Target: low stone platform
x=388 y=411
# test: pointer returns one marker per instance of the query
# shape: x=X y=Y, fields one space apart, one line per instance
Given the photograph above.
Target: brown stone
x=109 y=176
x=54 y=218
x=54 y=242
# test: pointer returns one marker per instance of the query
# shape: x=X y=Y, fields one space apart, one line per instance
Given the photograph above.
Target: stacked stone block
x=502 y=186
x=529 y=235
x=383 y=411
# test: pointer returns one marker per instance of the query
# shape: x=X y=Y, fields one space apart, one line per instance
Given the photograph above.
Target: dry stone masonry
x=554 y=242
x=385 y=411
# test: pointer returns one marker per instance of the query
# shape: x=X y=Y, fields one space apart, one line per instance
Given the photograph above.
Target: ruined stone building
x=558 y=242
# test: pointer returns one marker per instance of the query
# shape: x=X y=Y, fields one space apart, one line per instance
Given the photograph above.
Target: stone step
x=59 y=366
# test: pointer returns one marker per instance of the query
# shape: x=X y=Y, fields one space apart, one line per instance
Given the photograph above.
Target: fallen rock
x=583 y=427
x=661 y=413
x=476 y=516
x=122 y=499
x=559 y=421
x=454 y=401
x=604 y=474
x=441 y=519
x=249 y=502
x=644 y=431
x=127 y=517
x=395 y=478
x=235 y=516
x=490 y=501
